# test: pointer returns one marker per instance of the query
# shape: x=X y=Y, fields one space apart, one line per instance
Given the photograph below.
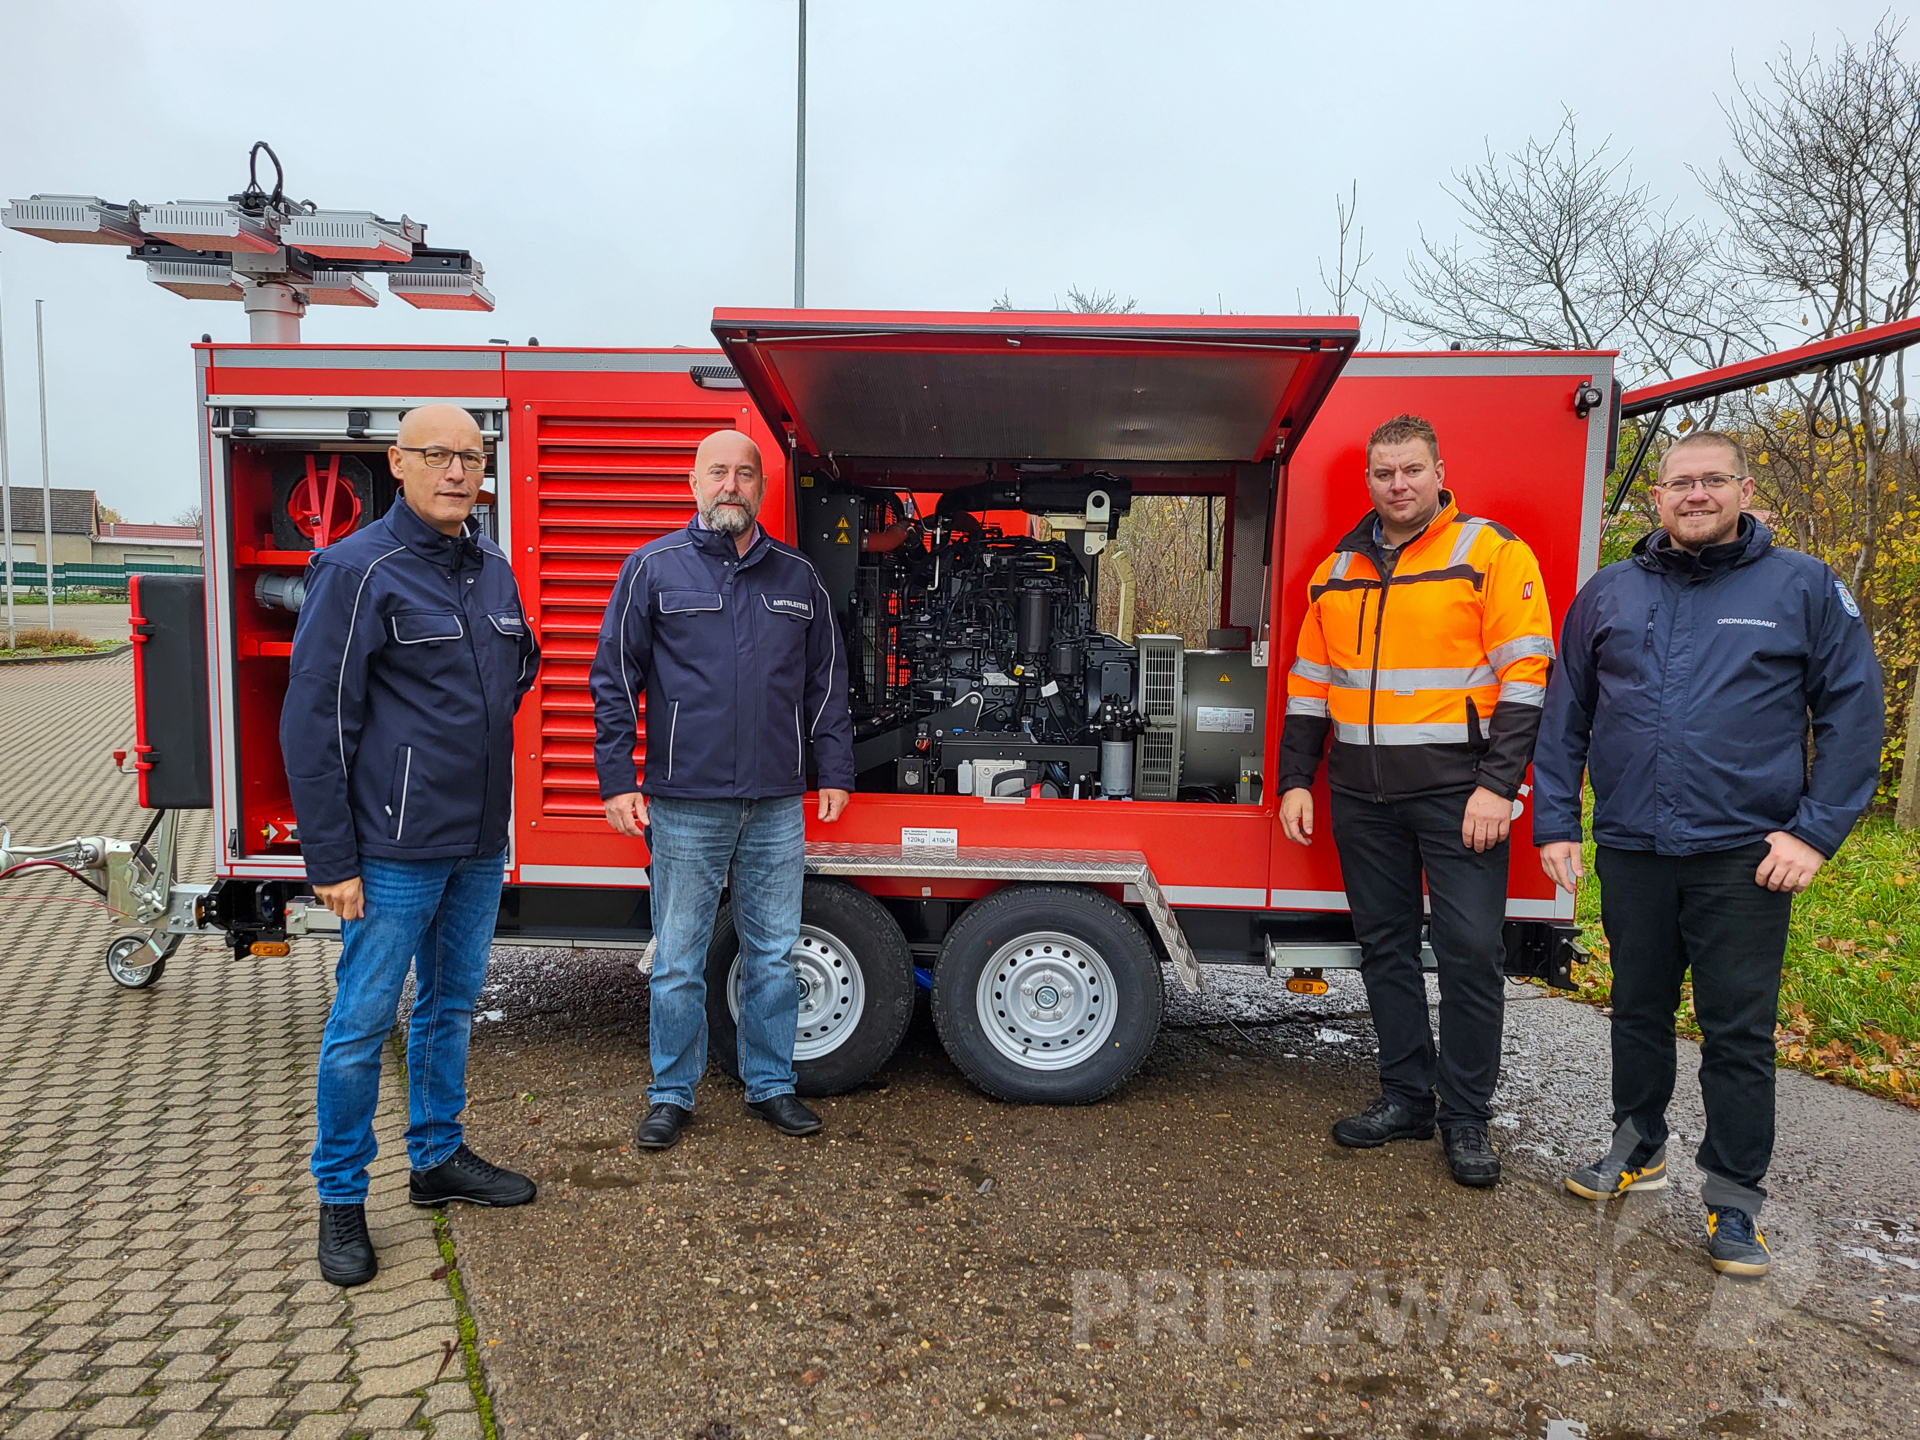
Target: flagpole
x=6 y=487
x=46 y=474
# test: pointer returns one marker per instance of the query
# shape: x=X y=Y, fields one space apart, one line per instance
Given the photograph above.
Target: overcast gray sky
x=622 y=169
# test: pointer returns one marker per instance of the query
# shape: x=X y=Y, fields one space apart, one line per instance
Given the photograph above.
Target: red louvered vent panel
x=607 y=485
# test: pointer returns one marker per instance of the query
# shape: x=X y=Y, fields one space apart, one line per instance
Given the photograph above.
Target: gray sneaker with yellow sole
x=1631 y=1164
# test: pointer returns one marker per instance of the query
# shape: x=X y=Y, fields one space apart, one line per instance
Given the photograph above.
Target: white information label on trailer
x=1223 y=720
x=920 y=837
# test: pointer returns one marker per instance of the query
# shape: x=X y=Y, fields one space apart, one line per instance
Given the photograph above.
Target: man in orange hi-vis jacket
x=1425 y=651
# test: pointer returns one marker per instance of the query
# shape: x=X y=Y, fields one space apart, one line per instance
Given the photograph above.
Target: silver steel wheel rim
x=833 y=992
x=1046 y=1001
x=117 y=966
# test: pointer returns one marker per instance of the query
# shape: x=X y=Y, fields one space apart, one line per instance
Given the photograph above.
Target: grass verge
x=31 y=644
x=1850 y=985
x=469 y=1347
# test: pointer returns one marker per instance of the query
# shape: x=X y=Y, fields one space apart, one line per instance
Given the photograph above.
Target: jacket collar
x=721 y=547
x=449 y=552
x=1362 y=538
x=1658 y=553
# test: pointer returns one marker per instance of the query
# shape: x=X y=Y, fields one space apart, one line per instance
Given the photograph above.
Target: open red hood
x=1020 y=386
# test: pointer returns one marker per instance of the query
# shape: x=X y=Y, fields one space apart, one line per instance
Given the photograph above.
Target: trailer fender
x=1126 y=868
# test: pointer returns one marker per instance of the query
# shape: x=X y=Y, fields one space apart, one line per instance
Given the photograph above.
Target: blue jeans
x=695 y=842
x=438 y=917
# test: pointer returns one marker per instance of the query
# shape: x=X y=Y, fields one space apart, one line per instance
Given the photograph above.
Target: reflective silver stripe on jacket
x=1340 y=564
x=1518 y=692
x=340 y=685
x=1501 y=656
x=1430 y=734
x=1463 y=542
x=1312 y=670
x=1306 y=705
x=1416 y=679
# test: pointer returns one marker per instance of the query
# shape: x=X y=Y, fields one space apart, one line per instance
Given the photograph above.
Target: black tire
x=1063 y=941
x=135 y=976
x=840 y=926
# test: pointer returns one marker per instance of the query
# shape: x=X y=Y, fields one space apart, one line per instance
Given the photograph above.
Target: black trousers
x=1384 y=848
x=1665 y=915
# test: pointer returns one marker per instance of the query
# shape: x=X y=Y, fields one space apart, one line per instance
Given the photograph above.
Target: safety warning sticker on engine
x=1223 y=720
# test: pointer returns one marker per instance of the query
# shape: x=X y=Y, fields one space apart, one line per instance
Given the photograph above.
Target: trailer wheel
x=856 y=989
x=133 y=948
x=1047 y=993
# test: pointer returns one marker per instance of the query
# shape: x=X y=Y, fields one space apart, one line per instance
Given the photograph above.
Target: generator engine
x=975 y=663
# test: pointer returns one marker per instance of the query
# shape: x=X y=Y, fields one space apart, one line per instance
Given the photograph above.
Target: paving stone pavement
x=157 y=1221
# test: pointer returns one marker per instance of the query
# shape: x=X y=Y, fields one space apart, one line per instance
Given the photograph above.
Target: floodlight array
x=241 y=247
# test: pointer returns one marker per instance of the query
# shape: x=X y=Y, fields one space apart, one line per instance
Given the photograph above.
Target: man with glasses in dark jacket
x=727 y=635
x=1689 y=677
x=409 y=661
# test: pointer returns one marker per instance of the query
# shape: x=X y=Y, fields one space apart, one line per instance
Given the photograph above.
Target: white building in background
x=82 y=538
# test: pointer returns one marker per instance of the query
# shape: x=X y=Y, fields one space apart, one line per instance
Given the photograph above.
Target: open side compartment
x=959 y=481
x=287 y=497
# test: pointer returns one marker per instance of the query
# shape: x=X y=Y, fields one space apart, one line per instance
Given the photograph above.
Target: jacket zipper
x=673 y=731
x=486 y=711
x=406 y=781
x=799 y=745
x=1373 y=691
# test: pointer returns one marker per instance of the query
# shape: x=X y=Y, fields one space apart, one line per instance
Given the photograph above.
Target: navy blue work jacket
x=410 y=658
x=1686 y=687
x=741 y=663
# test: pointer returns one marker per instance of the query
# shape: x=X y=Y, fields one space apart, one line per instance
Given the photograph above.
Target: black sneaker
x=465 y=1176
x=1735 y=1244
x=346 y=1250
x=1470 y=1155
x=1385 y=1119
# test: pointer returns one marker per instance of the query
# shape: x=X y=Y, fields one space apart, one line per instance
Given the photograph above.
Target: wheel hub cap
x=1046 y=1001
x=832 y=992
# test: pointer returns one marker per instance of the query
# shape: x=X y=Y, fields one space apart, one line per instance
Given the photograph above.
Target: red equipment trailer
x=1046 y=813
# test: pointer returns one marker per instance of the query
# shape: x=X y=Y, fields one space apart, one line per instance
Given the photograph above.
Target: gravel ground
x=1192 y=1257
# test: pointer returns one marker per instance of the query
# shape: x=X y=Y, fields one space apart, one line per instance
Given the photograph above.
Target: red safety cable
x=62 y=899
x=13 y=870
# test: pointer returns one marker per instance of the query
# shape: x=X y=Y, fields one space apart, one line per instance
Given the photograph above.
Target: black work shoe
x=346 y=1250
x=1470 y=1155
x=662 y=1126
x=1385 y=1119
x=786 y=1114
x=465 y=1176
x=1735 y=1244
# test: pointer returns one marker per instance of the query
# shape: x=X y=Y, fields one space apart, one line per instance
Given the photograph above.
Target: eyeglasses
x=1715 y=483
x=434 y=458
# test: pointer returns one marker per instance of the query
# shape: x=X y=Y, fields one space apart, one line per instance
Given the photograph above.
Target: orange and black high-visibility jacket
x=1427 y=662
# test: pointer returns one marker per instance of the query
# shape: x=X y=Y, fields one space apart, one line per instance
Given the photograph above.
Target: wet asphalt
x=1191 y=1257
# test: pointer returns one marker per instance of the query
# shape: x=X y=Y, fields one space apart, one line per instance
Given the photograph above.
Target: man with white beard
x=729 y=636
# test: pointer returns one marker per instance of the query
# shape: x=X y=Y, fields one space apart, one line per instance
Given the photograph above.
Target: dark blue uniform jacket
x=741 y=664
x=1687 y=686
x=410 y=658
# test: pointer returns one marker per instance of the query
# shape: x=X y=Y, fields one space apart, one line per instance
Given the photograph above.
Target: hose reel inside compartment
x=299 y=477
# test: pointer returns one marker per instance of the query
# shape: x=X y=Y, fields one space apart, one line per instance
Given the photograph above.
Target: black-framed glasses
x=435 y=458
x=1682 y=486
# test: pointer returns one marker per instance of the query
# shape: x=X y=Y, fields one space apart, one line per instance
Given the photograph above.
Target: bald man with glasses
x=409 y=661
x=1690 y=677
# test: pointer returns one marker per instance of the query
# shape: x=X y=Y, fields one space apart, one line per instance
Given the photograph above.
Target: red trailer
x=1046 y=813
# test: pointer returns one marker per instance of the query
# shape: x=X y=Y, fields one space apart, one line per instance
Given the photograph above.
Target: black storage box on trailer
x=173 y=739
